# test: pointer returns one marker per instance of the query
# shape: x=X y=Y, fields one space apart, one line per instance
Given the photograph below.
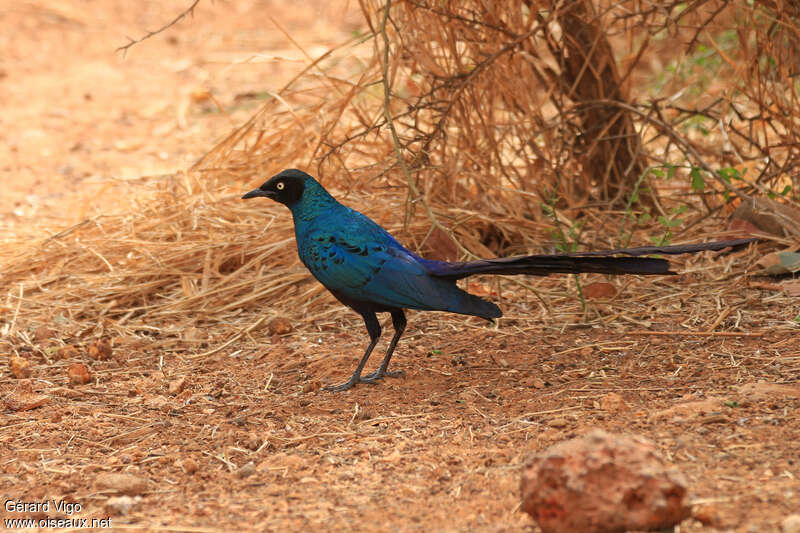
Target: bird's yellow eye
x=279 y=186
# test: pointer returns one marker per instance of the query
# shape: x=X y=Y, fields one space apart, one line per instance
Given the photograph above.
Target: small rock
x=757 y=392
x=311 y=386
x=78 y=374
x=176 y=386
x=613 y=403
x=188 y=465
x=43 y=333
x=603 y=483
x=708 y=515
x=279 y=326
x=121 y=505
x=691 y=410
x=535 y=383
x=100 y=350
x=246 y=470
x=121 y=483
x=791 y=524
x=20 y=367
x=558 y=423
x=67 y=352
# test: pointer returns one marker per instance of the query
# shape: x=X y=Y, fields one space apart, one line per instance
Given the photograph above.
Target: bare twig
x=181 y=16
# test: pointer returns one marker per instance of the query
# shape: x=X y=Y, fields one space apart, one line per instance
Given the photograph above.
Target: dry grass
x=182 y=251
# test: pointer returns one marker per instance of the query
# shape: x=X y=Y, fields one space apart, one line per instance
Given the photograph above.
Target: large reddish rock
x=603 y=483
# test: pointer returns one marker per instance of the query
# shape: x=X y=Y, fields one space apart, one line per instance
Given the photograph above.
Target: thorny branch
x=387 y=95
x=181 y=16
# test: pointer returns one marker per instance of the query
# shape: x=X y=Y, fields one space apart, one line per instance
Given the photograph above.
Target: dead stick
x=698 y=333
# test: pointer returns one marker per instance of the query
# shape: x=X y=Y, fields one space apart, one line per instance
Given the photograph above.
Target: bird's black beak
x=256 y=193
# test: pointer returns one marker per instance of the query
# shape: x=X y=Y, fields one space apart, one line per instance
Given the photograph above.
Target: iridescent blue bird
x=369 y=271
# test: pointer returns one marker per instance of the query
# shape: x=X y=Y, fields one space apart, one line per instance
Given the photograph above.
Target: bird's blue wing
x=355 y=258
x=340 y=263
x=367 y=268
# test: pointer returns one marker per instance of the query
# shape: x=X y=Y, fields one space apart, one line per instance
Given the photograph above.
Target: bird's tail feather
x=602 y=262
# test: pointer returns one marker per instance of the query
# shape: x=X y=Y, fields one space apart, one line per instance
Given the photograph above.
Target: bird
x=368 y=270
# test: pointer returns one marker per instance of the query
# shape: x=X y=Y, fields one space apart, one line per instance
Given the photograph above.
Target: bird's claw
x=342 y=386
x=371 y=378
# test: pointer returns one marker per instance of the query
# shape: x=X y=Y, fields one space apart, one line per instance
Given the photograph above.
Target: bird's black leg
x=399 y=323
x=374 y=330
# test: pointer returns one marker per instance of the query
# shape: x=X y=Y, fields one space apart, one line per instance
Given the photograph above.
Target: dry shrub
x=493 y=109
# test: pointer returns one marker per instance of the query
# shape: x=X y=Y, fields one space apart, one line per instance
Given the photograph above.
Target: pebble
x=121 y=505
x=176 y=386
x=791 y=524
x=78 y=374
x=122 y=483
x=189 y=465
x=536 y=383
x=100 y=350
x=43 y=333
x=19 y=366
x=613 y=403
x=708 y=515
x=246 y=470
x=279 y=326
x=67 y=352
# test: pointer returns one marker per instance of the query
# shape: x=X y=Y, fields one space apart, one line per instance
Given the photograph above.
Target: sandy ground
x=244 y=439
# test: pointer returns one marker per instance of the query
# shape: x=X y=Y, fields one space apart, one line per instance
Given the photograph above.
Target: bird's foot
x=342 y=386
x=373 y=377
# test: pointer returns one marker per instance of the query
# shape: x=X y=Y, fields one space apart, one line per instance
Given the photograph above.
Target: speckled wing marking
x=362 y=268
x=342 y=264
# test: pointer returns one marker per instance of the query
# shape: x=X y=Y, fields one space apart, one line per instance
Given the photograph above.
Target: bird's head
x=286 y=187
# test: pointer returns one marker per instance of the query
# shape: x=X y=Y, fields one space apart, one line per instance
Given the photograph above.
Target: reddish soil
x=244 y=439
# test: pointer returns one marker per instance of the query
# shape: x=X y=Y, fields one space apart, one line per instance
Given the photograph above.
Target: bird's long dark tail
x=602 y=262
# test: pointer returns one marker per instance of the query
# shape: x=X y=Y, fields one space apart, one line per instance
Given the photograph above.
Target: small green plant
x=698 y=183
x=786 y=190
x=565 y=242
x=729 y=174
x=664 y=171
x=669 y=223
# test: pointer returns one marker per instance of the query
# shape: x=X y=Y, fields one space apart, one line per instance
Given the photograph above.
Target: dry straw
x=444 y=119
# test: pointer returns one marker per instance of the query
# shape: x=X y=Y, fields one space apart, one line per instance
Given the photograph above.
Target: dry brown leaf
x=791 y=288
x=600 y=290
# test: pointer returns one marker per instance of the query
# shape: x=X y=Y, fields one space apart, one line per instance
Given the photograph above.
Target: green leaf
x=729 y=173
x=698 y=183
